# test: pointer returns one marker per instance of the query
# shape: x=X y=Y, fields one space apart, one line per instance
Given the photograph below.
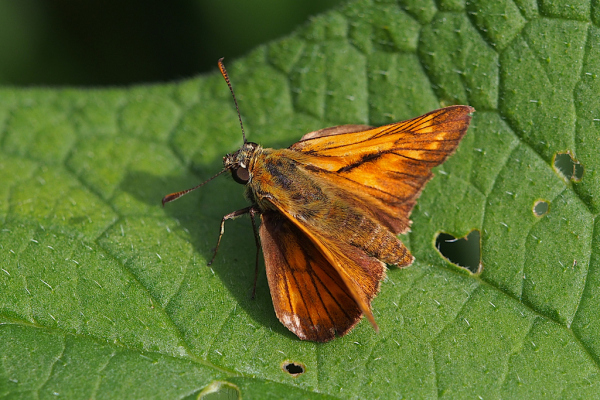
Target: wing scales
x=384 y=169
x=309 y=295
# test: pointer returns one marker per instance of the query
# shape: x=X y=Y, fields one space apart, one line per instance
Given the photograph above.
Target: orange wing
x=385 y=168
x=309 y=295
x=357 y=272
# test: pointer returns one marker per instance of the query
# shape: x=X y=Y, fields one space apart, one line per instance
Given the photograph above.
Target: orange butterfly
x=331 y=206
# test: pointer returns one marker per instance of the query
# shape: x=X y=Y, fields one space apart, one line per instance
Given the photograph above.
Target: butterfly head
x=239 y=162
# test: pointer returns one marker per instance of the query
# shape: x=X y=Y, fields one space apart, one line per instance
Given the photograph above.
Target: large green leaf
x=105 y=294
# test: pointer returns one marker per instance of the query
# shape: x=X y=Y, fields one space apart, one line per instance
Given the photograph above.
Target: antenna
x=174 y=196
x=224 y=73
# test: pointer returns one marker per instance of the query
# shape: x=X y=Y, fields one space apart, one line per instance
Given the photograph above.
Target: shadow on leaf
x=199 y=214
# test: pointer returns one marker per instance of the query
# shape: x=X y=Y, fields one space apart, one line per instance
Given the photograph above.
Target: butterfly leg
x=232 y=215
x=253 y=212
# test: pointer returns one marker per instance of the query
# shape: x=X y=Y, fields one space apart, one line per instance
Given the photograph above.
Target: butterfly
x=331 y=207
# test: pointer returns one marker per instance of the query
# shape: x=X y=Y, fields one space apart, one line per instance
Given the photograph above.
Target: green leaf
x=105 y=294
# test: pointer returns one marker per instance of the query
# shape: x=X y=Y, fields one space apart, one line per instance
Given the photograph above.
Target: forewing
x=385 y=168
x=309 y=295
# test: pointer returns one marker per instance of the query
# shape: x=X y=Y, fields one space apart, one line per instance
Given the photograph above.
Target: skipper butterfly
x=330 y=208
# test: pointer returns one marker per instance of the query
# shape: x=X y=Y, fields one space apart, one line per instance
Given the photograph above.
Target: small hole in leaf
x=292 y=368
x=540 y=208
x=464 y=252
x=568 y=167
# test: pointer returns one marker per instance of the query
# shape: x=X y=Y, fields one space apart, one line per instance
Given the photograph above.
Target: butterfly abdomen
x=365 y=233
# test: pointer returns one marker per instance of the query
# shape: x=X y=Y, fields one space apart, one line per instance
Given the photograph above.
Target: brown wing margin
x=386 y=168
x=309 y=295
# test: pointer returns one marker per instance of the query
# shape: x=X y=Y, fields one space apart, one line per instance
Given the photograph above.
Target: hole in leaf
x=540 y=208
x=220 y=390
x=292 y=368
x=464 y=252
x=568 y=167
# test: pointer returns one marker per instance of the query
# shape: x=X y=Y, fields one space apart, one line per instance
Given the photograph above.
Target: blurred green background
x=118 y=42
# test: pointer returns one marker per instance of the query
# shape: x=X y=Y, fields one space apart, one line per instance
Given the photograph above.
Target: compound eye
x=241 y=175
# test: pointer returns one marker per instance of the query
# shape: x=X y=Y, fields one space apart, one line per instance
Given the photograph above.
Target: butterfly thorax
x=277 y=178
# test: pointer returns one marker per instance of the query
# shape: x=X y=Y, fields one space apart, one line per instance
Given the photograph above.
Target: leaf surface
x=105 y=294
